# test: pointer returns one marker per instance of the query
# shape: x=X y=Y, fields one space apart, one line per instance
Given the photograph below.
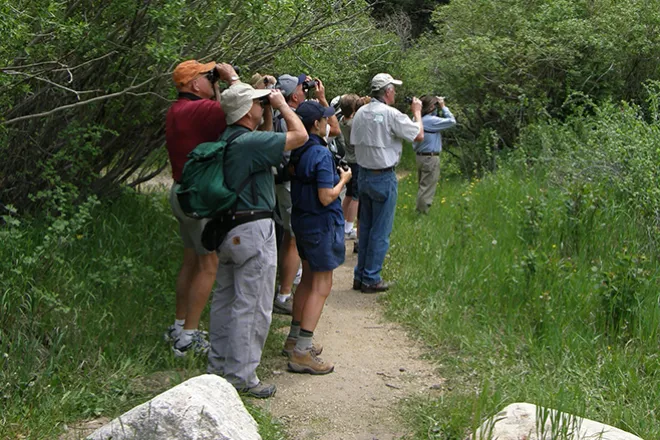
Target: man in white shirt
x=378 y=132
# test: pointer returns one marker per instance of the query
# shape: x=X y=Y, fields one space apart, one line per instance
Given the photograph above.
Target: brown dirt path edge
x=376 y=365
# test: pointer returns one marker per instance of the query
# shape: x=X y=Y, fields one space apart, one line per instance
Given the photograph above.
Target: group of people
x=278 y=141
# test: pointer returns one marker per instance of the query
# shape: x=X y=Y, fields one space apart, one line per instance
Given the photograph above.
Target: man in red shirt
x=195 y=117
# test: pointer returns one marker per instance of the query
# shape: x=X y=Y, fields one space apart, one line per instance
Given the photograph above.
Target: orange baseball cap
x=188 y=70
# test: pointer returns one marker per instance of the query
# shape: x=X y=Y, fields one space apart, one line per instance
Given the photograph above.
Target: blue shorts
x=324 y=251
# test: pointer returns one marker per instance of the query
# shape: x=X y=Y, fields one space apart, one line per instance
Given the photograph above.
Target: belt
x=428 y=154
x=217 y=229
x=381 y=170
x=241 y=217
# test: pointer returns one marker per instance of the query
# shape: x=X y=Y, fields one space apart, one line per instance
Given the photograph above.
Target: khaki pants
x=428 y=174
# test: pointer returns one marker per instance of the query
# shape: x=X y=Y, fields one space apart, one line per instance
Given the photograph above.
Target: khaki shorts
x=190 y=229
x=284 y=205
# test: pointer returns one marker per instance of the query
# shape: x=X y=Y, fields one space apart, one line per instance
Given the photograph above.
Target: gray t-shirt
x=349 y=149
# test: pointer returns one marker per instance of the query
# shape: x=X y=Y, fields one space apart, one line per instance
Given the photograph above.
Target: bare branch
x=78 y=104
x=46 y=80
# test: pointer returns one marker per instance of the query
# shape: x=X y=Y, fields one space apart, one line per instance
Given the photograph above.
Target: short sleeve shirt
x=345 y=127
x=191 y=121
x=315 y=169
x=253 y=153
x=377 y=134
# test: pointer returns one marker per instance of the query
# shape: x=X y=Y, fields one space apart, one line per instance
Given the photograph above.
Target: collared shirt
x=253 y=154
x=432 y=142
x=191 y=121
x=377 y=134
x=314 y=169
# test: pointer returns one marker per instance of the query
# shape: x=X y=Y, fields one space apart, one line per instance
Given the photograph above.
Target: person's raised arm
x=416 y=108
x=332 y=120
x=296 y=135
x=227 y=73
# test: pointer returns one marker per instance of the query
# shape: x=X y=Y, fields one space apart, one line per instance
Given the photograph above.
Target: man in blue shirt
x=435 y=117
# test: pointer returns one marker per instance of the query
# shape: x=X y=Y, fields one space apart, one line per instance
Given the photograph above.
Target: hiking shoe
x=259 y=391
x=308 y=362
x=380 y=286
x=171 y=334
x=290 y=344
x=357 y=284
x=283 y=307
x=351 y=235
x=197 y=345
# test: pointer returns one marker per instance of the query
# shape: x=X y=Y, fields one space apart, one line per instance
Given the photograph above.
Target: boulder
x=204 y=407
x=524 y=421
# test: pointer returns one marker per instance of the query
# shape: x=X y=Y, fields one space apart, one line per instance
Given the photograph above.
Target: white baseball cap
x=383 y=79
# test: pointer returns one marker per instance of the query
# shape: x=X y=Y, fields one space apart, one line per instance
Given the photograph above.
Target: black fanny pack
x=217 y=229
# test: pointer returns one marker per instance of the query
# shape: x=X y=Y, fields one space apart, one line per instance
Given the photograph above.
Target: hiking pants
x=242 y=302
x=428 y=174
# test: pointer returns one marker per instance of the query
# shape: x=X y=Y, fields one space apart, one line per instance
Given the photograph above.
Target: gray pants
x=428 y=174
x=242 y=302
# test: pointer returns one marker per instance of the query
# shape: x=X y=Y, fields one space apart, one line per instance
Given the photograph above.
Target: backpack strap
x=248 y=179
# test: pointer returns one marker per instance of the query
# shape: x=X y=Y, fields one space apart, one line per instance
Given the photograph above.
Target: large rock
x=205 y=407
x=522 y=421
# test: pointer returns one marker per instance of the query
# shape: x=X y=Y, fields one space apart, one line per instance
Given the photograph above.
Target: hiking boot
x=259 y=391
x=380 y=286
x=352 y=235
x=283 y=307
x=357 y=284
x=290 y=344
x=308 y=362
x=171 y=334
x=197 y=345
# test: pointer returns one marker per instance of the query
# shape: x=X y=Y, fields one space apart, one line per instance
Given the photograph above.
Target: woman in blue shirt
x=318 y=223
x=435 y=117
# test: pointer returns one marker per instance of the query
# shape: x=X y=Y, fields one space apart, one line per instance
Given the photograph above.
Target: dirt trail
x=376 y=365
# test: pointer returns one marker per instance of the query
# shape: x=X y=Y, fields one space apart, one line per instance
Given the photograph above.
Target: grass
x=84 y=301
x=528 y=291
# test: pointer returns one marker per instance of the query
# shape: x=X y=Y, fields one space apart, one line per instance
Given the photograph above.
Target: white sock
x=348 y=227
x=283 y=298
x=185 y=337
x=178 y=323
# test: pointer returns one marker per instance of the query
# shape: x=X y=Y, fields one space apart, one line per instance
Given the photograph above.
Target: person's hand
x=441 y=101
x=320 y=92
x=276 y=98
x=226 y=72
x=271 y=80
x=345 y=174
x=416 y=105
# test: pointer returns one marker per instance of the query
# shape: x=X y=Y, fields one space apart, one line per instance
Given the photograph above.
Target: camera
x=308 y=85
x=341 y=163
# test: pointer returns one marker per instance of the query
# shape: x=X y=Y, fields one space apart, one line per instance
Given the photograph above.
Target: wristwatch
x=234 y=78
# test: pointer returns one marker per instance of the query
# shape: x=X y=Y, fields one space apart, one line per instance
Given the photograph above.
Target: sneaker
x=171 y=334
x=357 y=284
x=290 y=344
x=298 y=277
x=356 y=246
x=283 y=307
x=351 y=235
x=308 y=362
x=259 y=391
x=197 y=345
x=380 y=286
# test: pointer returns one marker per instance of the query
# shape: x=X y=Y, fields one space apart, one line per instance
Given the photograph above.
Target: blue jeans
x=378 y=194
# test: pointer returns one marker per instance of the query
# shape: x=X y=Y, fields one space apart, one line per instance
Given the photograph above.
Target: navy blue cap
x=312 y=111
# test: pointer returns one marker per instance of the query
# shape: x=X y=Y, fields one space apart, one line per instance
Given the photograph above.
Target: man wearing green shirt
x=247 y=257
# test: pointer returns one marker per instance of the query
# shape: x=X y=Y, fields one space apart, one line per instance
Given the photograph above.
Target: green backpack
x=202 y=191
